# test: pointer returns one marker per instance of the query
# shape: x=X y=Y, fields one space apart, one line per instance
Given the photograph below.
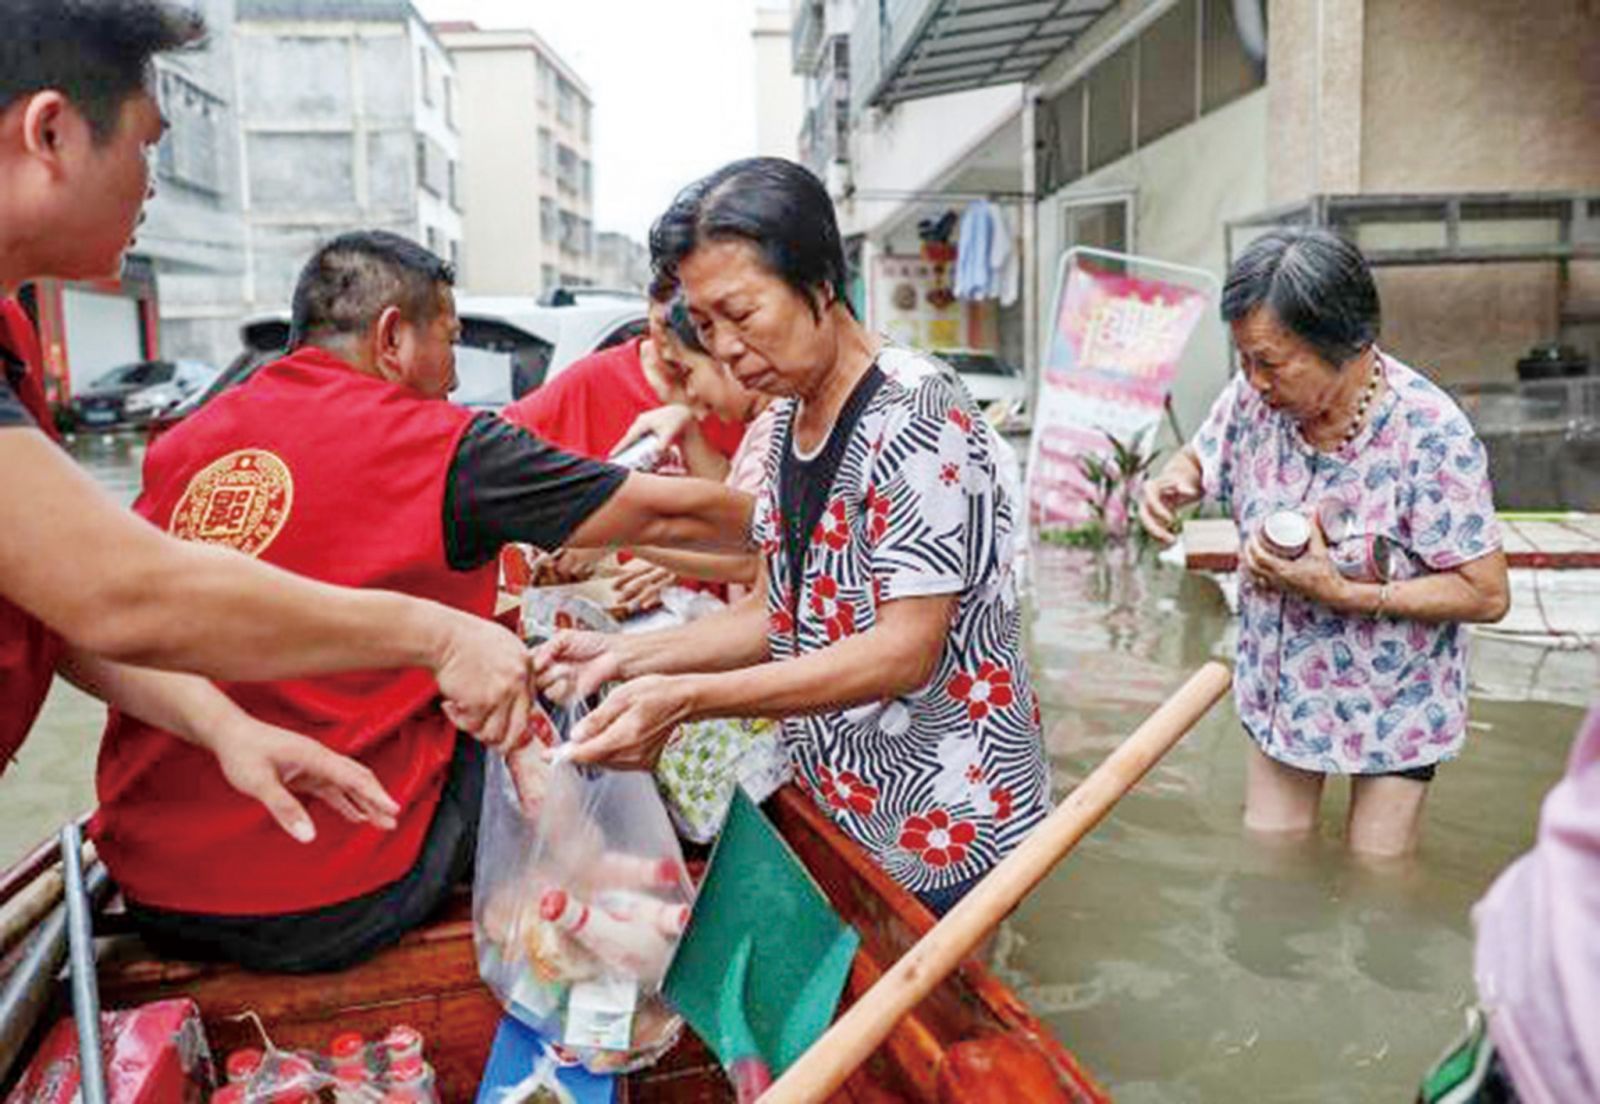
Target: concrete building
x=621 y=262
x=193 y=233
x=780 y=104
x=528 y=173
x=349 y=118
x=1463 y=133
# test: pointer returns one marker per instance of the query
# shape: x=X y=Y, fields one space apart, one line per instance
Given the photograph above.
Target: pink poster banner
x=1113 y=353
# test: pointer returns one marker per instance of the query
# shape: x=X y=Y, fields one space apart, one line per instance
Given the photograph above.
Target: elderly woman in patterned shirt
x=1351 y=655
x=885 y=634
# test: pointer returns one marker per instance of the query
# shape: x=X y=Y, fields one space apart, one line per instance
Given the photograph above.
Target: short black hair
x=1315 y=282
x=777 y=206
x=662 y=288
x=683 y=327
x=350 y=281
x=95 y=52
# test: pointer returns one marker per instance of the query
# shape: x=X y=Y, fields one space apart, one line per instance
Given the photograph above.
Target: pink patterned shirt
x=1334 y=692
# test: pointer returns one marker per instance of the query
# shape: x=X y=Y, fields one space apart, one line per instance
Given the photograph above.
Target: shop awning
x=906 y=49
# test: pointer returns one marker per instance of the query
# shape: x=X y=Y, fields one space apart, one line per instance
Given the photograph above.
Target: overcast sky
x=673 y=84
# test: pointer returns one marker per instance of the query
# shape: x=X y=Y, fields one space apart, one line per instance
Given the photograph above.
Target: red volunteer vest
x=28 y=650
x=331 y=474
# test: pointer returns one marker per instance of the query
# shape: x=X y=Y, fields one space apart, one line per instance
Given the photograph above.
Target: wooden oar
x=32 y=903
x=856 y=1034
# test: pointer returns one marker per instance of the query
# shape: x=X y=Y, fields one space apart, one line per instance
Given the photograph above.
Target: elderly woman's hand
x=1178 y=485
x=633 y=724
x=1310 y=574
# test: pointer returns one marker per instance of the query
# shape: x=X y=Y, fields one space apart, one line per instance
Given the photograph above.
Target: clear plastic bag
x=579 y=899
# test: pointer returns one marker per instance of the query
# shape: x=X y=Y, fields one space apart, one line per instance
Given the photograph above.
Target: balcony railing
x=805 y=36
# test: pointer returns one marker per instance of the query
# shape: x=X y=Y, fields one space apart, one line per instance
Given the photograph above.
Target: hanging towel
x=973 y=274
x=1004 y=259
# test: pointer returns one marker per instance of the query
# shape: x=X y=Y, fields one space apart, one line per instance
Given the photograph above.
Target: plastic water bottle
x=402 y=1042
x=243 y=1064
x=633 y=947
x=667 y=917
x=622 y=870
x=411 y=1080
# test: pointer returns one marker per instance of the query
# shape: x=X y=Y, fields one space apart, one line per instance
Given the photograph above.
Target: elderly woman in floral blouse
x=1351 y=655
x=885 y=634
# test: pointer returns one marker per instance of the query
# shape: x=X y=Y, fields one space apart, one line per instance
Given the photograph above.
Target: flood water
x=1180 y=959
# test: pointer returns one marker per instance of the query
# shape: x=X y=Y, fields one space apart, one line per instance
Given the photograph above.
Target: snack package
x=154 y=1054
x=579 y=898
x=699 y=770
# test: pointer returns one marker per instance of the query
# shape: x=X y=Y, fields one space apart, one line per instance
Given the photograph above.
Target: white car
x=509 y=344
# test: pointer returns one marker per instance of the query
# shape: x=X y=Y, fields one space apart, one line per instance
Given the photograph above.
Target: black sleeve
x=507 y=485
x=12 y=412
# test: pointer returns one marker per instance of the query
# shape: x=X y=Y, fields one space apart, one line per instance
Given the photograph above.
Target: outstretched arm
x=259 y=760
x=114 y=585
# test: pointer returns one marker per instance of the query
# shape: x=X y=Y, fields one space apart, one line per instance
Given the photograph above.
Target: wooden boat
x=430 y=980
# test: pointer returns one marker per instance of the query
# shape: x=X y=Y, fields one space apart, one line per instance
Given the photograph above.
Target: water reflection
x=1184 y=959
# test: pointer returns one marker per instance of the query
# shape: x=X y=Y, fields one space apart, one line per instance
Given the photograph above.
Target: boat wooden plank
x=1570 y=543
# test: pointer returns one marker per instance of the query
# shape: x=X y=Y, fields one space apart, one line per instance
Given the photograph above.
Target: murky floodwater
x=1180 y=959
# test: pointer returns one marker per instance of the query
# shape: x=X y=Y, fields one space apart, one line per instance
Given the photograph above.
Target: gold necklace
x=1359 y=418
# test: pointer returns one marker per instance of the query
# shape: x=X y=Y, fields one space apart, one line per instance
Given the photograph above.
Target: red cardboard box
x=156 y=1054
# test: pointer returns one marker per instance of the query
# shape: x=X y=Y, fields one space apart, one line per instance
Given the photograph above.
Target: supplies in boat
x=579 y=898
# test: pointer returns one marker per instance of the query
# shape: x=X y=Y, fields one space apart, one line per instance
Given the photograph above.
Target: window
x=433 y=167
x=435 y=241
x=1227 y=71
x=547 y=277
x=547 y=152
x=548 y=224
x=450 y=103
x=567 y=169
x=566 y=101
x=425 y=74
x=547 y=82
x=455 y=256
x=1111 y=108
x=584 y=111
x=189 y=149
x=1101 y=224
x=1168 y=62
x=586 y=179
x=1061 y=126
x=455 y=185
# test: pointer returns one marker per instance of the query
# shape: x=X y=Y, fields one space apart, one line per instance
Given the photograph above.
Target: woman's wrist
x=701 y=696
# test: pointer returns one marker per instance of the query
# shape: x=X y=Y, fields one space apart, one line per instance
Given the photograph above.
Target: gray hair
x=1316 y=283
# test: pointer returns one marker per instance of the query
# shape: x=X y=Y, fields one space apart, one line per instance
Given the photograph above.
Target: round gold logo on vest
x=241 y=500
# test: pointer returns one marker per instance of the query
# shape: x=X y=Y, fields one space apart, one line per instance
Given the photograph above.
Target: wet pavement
x=1179 y=958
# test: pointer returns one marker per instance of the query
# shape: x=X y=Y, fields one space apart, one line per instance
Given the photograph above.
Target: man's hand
x=638 y=585
x=571 y=666
x=633 y=724
x=271 y=765
x=1310 y=574
x=485 y=675
x=1177 y=486
x=668 y=422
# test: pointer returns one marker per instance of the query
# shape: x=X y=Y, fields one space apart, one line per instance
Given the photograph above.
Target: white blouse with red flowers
x=940 y=783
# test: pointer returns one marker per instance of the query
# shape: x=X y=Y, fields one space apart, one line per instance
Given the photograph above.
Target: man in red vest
x=344 y=462
x=83 y=582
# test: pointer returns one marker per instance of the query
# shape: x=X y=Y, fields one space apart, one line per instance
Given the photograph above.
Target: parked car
x=133 y=394
x=509 y=345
